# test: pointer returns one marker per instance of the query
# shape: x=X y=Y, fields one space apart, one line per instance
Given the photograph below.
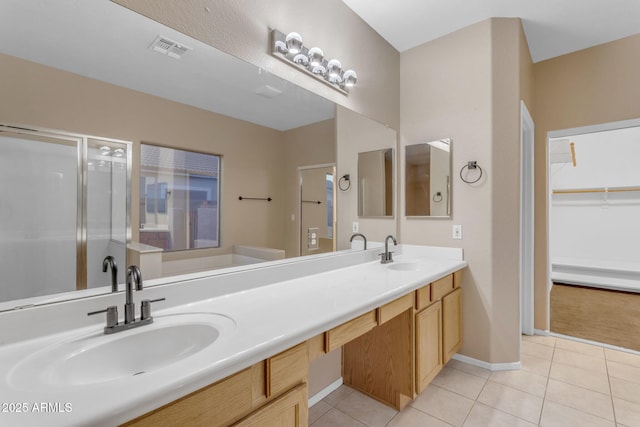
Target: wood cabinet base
x=380 y=363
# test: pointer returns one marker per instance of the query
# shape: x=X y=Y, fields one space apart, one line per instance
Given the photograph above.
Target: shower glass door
x=38 y=214
x=106 y=209
x=64 y=206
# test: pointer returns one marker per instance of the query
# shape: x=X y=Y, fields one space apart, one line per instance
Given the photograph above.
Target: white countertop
x=269 y=319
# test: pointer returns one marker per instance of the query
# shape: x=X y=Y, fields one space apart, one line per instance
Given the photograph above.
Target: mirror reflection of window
x=179 y=198
x=428 y=179
x=330 y=191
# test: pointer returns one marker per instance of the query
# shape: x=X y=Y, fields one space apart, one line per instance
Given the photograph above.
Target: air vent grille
x=169 y=47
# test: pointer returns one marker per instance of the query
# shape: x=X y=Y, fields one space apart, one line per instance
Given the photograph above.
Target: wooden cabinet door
x=451 y=324
x=289 y=410
x=428 y=345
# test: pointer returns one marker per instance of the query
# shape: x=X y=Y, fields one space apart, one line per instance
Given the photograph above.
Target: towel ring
x=346 y=178
x=471 y=166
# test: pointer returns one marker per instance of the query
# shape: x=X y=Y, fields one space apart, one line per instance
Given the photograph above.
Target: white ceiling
x=552 y=27
x=107 y=42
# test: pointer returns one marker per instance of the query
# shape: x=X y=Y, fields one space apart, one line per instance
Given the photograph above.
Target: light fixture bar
x=291 y=49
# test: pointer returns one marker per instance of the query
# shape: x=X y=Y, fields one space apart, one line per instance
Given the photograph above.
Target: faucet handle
x=386 y=257
x=112 y=315
x=145 y=307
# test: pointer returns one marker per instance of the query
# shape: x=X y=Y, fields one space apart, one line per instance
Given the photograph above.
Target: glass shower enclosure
x=64 y=206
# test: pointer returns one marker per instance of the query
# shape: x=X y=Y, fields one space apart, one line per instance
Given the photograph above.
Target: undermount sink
x=97 y=358
x=405 y=265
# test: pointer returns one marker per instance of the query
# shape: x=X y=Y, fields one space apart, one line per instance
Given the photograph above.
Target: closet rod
x=597 y=190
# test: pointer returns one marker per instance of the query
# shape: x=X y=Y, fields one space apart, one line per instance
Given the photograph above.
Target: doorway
x=594 y=259
x=317 y=209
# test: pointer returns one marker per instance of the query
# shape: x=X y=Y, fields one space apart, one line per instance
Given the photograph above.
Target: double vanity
x=235 y=347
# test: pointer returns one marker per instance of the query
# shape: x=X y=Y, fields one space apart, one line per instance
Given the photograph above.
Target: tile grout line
x=468 y=373
x=585 y=388
x=487 y=380
x=475 y=401
x=613 y=406
x=546 y=387
x=431 y=415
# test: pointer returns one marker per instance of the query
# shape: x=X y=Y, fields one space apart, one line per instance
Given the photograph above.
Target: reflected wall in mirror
x=375 y=183
x=428 y=179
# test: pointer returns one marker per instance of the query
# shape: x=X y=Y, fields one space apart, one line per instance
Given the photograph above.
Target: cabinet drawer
x=457 y=279
x=423 y=297
x=350 y=330
x=218 y=404
x=392 y=309
x=286 y=369
x=441 y=287
x=316 y=347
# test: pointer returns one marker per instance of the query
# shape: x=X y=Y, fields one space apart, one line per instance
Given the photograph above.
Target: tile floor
x=561 y=383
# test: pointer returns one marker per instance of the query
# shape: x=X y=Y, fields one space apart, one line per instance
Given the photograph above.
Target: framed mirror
x=428 y=179
x=375 y=183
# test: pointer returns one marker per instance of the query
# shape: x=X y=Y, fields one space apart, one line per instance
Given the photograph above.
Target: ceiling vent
x=169 y=47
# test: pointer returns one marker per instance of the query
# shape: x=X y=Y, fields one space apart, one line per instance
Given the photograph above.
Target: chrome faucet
x=134 y=278
x=387 y=256
x=354 y=235
x=110 y=261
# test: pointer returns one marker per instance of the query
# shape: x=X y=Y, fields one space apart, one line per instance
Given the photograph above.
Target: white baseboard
x=544 y=333
x=510 y=366
x=325 y=392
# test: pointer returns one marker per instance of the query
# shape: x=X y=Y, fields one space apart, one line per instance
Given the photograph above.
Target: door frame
x=527 y=220
x=299 y=201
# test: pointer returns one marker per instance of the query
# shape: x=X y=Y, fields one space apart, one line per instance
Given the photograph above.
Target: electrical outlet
x=457 y=232
x=355 y=227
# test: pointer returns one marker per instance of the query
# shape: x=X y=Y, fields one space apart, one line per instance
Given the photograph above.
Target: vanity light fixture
x=291 y=50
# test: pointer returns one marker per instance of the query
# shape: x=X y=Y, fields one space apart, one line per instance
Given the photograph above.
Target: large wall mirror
x=66 y=75
x=428 y=179
x=375 y=183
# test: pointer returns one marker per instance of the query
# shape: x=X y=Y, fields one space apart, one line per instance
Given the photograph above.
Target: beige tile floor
x=561 y=383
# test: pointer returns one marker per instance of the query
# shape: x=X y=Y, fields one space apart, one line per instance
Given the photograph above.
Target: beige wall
x=242 y=29
x=41 y=96
x=356 y=133
x=466 y=86
x=596 y=85
x=304 y=146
